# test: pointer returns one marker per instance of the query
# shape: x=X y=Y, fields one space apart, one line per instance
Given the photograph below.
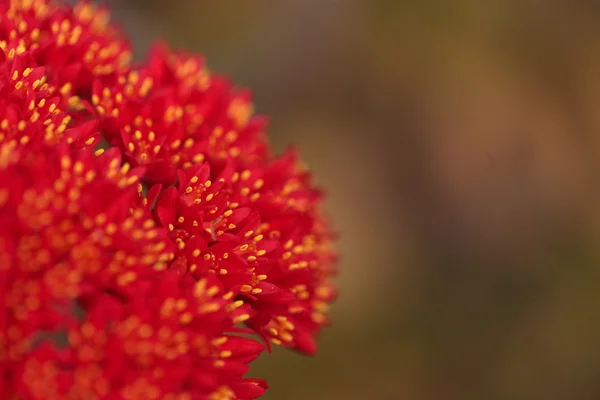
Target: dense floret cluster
x=149 y=239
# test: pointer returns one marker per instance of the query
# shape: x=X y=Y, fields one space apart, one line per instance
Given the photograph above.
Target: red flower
x=172 y=113
x=261 y=232
x=71 y=244
x=167 y=342
x=76 y=45
x=125 y=271
x=32 y=110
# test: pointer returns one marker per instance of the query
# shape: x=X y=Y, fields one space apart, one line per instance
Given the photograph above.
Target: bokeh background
x=460 y=145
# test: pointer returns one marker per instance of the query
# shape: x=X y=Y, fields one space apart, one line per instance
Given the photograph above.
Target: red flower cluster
x=143 y=218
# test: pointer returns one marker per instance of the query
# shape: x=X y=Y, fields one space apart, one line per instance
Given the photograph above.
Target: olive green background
x=460 y=144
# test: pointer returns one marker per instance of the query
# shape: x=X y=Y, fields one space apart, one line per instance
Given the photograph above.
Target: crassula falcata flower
x=151 y=244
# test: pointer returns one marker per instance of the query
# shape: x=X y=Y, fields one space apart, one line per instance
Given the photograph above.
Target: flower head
x=143 y=218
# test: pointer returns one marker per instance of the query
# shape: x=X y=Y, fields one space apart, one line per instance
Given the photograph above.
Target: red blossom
x=172 y=113
x=32 y=110
x=261 y=232
x=143 y=218
x=75 y=44
x=70 y=241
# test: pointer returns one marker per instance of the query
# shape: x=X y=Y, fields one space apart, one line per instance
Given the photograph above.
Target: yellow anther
x=186 y=318
x=213 y=290
x=111 y=228
x=209 y=307
x=78 y=167
x=241 y=318
x=258 y=184
x=134 y=77
x=286 y=336
x=125 y=168
x=219 y=341
x=181 y=304
x=100 y=219
x=66 y=88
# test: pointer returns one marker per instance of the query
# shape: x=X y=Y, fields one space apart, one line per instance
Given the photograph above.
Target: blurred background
x=460 y=145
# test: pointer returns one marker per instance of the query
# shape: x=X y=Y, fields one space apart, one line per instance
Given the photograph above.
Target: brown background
x=460 y=147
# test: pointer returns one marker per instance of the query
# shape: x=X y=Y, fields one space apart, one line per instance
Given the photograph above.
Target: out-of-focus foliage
x=460 y=145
